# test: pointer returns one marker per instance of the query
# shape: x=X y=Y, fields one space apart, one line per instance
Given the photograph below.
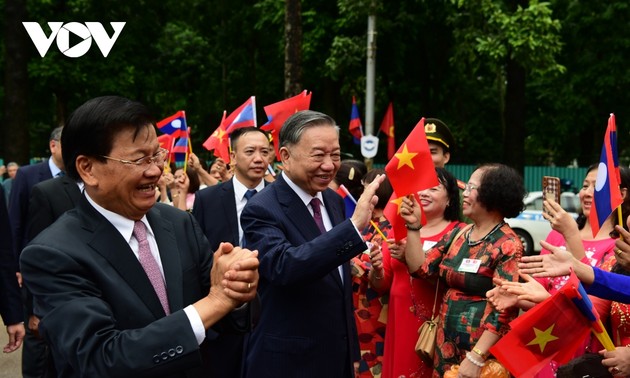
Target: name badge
x=470 y=265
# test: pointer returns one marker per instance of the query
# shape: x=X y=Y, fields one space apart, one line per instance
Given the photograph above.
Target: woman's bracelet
x=470 y=358
x=412 y=228
x=481 y=354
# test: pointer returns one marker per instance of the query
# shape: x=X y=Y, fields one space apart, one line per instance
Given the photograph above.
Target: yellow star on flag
x=397 y=202
x=404 y=157
x=543 y=337
x=219 y=133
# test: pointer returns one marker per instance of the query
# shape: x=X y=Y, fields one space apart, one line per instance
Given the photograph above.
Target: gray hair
x=294 y=126
x=56 y=134
x=12 y=164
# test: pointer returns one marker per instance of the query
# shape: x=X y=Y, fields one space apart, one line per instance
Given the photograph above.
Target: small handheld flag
x=173 y=125
x=355 y=127
x=607 y=195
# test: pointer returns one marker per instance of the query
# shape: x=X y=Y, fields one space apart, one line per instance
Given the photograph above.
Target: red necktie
x=317 y=215
x=151 y=267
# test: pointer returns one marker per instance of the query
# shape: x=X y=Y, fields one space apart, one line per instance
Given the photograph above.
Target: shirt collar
x=240 y=189
x=122 y=224
x=304 y=196
x=54 y=170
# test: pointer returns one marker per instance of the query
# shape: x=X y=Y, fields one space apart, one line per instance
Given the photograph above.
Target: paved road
x=9 y=363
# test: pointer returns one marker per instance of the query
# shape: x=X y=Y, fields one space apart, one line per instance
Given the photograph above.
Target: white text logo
x=87 y=32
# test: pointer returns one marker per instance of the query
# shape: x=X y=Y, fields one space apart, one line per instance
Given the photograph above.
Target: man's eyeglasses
x=470 y=187
x=144 y=162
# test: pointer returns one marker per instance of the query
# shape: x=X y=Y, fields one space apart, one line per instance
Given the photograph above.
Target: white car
x=530 y=225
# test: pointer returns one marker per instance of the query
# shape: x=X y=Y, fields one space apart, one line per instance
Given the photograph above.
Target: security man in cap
x=441 y=142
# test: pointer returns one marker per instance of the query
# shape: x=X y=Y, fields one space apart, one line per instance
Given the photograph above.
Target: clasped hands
x=234 y=276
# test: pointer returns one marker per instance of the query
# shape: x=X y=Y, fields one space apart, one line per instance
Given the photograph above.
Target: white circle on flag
x=176 y=123
x=602 y=176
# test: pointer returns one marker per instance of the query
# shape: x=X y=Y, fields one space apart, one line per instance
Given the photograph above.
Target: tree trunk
x=292 y=48
x=15 y=124
x=514 y=116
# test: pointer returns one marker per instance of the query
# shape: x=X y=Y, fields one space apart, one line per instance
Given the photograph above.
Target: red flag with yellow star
x=392 y=214
x=552 y=330
x=219 y=142
x=411 y=169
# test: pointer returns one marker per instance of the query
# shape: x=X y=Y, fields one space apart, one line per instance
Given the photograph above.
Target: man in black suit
x=126 y=287
x=25 y=179
x=306 y=327
x=218 y=209
x=34 y=352
x=49 y=200
x=10 y=301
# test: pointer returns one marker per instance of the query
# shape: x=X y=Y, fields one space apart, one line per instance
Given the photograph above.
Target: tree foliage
x=435 y=58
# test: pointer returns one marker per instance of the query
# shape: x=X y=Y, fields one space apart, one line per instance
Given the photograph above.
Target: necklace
x=476 y=242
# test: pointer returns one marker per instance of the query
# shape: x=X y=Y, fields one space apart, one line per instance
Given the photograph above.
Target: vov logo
x=61 y=31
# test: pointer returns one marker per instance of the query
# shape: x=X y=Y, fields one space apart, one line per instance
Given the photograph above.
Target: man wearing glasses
x=125 y=286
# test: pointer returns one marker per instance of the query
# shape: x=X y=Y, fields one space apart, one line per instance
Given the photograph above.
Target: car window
x=569 y=203
x=536 y=204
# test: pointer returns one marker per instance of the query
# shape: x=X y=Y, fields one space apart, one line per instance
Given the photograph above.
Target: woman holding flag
x=466 y=260
x=411 y=299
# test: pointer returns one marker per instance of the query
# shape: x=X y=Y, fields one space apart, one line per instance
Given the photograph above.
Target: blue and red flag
x=173 y=125
x=584 y=304
x=181 y=148
x=348 y=200
x=607 y=196
x=355 y=128
x=243 y=116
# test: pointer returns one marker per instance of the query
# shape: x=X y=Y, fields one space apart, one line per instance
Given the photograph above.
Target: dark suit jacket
x=99 y=312
x=10 y=299
x=48 y=201
x=25 y=179
x=215 y=210
x=306 y=326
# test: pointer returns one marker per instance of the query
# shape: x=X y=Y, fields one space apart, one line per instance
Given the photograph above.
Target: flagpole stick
x=603 y=337
x=619 y=216
x=378 y=230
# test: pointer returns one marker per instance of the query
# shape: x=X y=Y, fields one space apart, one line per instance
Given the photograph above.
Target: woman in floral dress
x=465 y=261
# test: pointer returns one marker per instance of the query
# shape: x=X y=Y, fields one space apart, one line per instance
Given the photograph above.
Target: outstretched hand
x=234 y=274
x=557 y=263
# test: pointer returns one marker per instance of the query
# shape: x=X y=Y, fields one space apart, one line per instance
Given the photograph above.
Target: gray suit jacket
x=100 y=314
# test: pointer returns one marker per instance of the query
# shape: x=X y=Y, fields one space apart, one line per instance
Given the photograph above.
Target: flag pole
x=378 y=230
x=619 y=216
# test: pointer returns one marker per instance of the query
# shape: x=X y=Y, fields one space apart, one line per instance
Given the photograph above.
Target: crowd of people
x=132 y=266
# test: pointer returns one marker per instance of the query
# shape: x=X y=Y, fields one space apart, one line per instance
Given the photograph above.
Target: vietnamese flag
x=219 y=142
x=411 y=169
x=551 y=330
x=607 y=195
x=278 y=112
x=387 y=127
x=392 y=214
x=166 y=141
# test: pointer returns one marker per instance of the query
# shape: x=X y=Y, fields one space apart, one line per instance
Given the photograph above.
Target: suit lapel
x=110 y=244
x=295 y=210
x=169 y=254
x=227 y=198
x=336 y=215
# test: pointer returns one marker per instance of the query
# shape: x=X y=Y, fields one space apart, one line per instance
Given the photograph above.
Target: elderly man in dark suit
x=306 y=326
x=126 y=287
x=10 y=302
x=218 y=209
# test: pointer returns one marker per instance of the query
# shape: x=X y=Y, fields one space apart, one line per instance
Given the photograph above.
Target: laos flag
x=355 y=126
x=174 y=125
x=349 y=201
x=607 y=196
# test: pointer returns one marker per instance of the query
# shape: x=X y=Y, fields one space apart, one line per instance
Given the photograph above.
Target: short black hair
x=236 y=134
x=501 y=189
x=384 y=191
x=91 y=128
x=446 y=178
x=350 y=175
